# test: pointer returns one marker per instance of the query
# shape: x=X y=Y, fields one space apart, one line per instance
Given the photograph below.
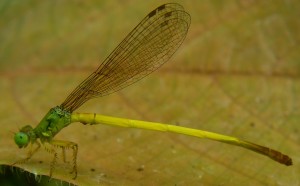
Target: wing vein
x=148 y=46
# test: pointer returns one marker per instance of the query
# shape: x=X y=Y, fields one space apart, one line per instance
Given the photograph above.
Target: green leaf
x=237 y=73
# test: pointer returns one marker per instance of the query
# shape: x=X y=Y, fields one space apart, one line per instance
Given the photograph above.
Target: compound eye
x=21 y=139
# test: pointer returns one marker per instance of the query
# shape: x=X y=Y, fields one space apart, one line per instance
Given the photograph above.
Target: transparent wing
x=149 y=45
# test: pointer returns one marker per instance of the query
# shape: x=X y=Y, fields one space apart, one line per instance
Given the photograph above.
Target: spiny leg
x=50 y=148
x=30 y=153
x=66 y=145
x=63 y=154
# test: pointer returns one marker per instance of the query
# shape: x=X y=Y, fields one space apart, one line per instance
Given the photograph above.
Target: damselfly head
x=22 y=138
